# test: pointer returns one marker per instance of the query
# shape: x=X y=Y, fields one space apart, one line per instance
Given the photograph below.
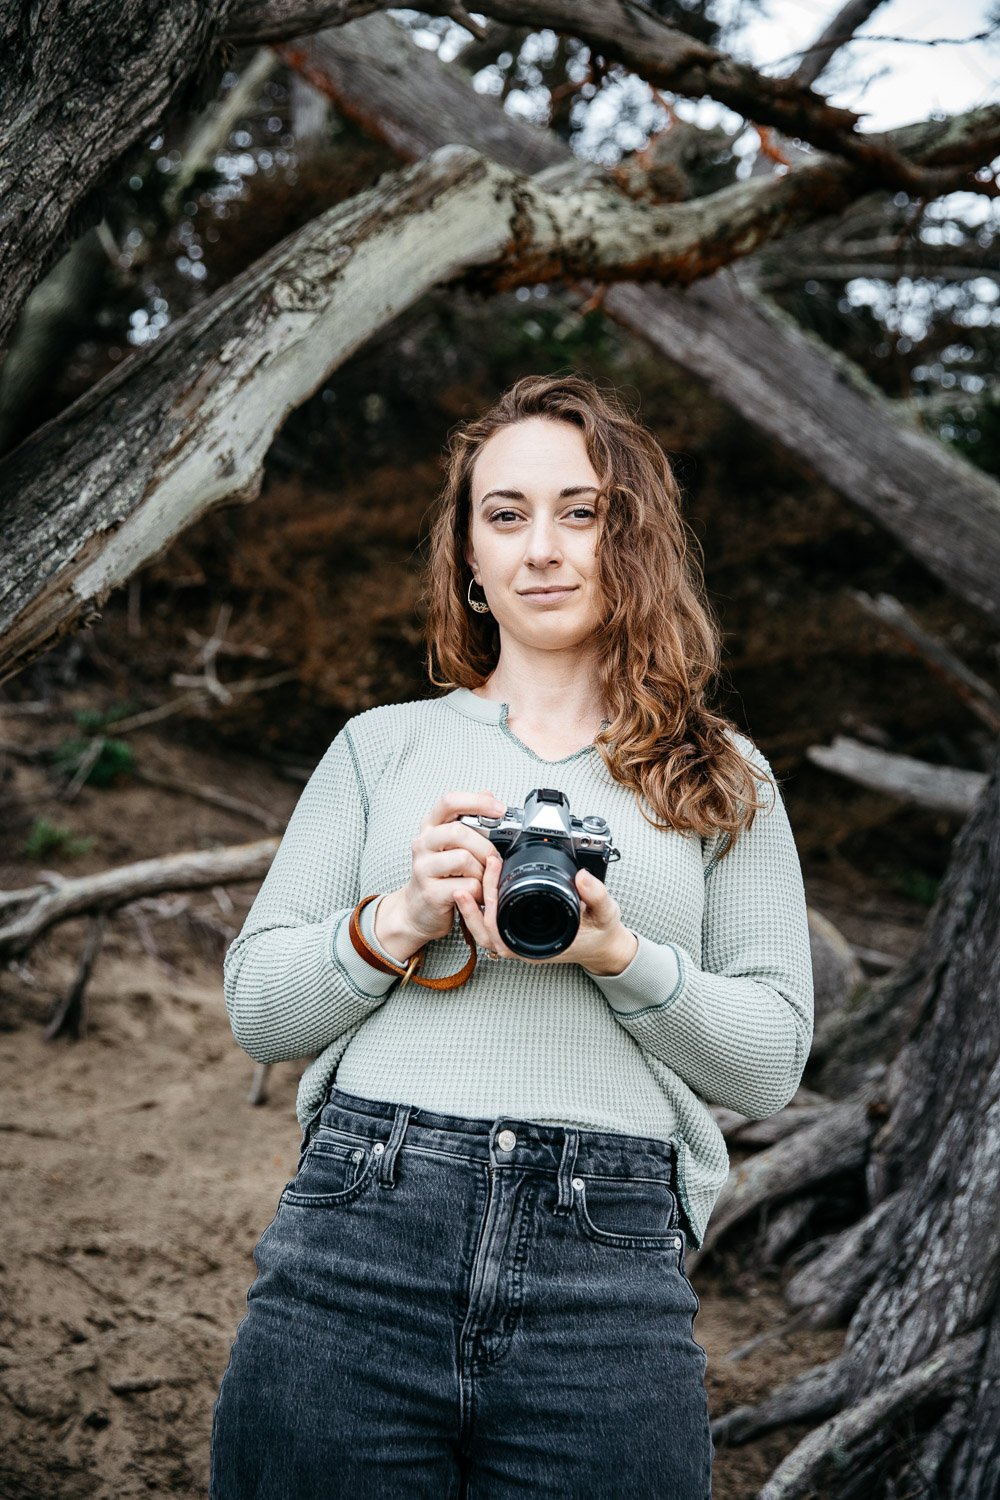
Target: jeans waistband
x=503 y=1141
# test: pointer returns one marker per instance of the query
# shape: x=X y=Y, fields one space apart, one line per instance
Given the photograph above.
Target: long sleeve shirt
x=715 y=1007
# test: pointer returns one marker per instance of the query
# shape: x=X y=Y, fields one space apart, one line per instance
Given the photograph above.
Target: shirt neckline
x=489 y=711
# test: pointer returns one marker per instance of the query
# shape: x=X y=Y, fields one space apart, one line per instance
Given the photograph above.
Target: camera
x=542 y=846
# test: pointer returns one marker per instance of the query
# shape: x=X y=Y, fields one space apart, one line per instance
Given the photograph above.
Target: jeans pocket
x=331 y=1173
x=628 y=1211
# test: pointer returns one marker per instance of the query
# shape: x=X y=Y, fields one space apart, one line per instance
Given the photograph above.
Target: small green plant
x=115 y=758
x=918 y=885
x=94 y=720
x=47 y=838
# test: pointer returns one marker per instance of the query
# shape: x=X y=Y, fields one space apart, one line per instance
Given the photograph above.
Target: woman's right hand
x=446 y=857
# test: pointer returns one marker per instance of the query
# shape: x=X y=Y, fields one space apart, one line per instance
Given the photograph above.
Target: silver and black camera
x=542 y=846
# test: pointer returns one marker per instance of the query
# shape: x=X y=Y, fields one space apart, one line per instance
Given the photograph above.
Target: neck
x=544 y=698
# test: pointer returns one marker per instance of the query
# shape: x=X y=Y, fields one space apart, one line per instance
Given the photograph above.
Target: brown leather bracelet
x=409 y=969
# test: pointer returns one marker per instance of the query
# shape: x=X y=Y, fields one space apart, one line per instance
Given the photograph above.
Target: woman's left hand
x=603 y=943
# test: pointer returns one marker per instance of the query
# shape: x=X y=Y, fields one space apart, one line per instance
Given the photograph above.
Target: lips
x=545 y=593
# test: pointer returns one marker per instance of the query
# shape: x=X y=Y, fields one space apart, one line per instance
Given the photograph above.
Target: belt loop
x=387 y=1164
x=567 y=1165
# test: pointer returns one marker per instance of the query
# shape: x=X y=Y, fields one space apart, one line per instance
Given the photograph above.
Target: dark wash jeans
x=450 y=1307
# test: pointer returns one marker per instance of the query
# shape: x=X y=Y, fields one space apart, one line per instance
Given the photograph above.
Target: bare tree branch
x=815 y=404
x=41 y=908
x=816 y=59
x=66 y=130
x=628 y=33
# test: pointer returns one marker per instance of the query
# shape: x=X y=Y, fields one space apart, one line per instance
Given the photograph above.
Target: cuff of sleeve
x=653 y=980
x=360 y=974
x=367 y=920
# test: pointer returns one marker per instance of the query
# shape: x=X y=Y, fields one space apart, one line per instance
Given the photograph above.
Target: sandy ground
x=136 y=1177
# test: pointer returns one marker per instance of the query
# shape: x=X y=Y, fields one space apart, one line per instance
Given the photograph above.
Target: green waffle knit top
x=715 y=1008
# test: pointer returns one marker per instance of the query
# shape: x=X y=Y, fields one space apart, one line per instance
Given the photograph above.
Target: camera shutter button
x=595 y=824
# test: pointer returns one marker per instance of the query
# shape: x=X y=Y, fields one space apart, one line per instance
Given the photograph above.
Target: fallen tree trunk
x=79 y=95
x=185 y=425
x=942 y=788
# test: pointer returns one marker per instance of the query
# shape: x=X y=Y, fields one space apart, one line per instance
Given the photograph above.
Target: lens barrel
x=538 y=906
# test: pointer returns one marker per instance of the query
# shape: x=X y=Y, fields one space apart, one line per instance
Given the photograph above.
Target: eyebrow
x=566 y=494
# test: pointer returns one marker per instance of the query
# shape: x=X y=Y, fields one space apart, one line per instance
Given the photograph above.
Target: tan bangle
x=409 y=969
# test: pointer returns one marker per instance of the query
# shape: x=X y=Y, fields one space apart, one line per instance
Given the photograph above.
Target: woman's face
x=542 y=531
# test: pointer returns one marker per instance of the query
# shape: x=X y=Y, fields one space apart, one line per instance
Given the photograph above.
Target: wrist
x=619 y=955
x=394 y=933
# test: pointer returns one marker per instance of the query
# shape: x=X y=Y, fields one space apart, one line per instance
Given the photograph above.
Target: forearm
x=292 y=990
x=737 y=1041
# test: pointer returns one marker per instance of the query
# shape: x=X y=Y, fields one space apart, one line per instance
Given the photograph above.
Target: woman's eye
x=580 y=510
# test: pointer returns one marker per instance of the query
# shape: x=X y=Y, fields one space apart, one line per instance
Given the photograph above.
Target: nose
x=542 y=547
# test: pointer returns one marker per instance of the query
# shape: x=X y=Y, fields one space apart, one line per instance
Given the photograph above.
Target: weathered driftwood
x=815 y=404
x=41 y=907
x=78 y=98
x=742 y=1130
x=785 y=1226
x=837 y=972
x=853 y=1045
x=942 y=788
x=201 y=406
x=671 y=59
x=69 y=1011
x=976 y=694
x=838 y=1273
x=778 y=1127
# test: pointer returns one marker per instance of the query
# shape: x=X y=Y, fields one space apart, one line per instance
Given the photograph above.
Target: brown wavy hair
x=658 y=649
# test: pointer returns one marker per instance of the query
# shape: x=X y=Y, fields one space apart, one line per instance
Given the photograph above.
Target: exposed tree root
x=849 y=1439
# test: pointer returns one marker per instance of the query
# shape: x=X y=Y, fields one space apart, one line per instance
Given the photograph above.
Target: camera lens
x=538 y=908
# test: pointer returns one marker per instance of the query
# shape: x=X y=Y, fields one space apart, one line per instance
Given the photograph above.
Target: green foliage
x=917 y=884
x=114 y=758
x=95 y=719
x=47 y=838
x=974 y=429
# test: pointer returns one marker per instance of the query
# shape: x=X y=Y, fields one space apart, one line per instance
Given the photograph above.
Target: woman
x=475 y=1283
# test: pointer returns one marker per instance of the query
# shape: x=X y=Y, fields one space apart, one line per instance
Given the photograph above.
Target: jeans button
x=506 y=1140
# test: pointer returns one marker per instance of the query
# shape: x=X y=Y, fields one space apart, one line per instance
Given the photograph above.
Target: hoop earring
x=480 y=608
